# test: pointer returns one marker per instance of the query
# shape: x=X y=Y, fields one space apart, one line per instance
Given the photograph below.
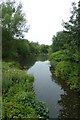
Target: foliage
x=68 y=71
x=57 y=56
x=75 y=77
x=14 y=109
x=60 y=41
x=13 y=25
x=73 y=25
x=63 y=69
x=13 y=19
x=22 y=48
x=34 y=48
x=18 y=95
x=44 y=49
x=12 y=76
x=66 y=63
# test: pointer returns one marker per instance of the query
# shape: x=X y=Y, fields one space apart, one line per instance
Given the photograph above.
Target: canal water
x=61 y=102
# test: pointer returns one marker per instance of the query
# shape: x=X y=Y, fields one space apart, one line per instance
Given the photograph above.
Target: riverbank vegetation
x=18 y=95
x=65 y=55
x=17 y=86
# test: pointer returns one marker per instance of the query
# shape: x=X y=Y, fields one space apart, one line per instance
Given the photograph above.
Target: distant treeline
x=20 y=48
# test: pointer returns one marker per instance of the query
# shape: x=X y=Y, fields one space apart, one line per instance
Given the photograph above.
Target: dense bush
x=55 y=58
x=12 y=76
x=75 y=77
x=66 y=69
x=63 y=70
x=18 y=95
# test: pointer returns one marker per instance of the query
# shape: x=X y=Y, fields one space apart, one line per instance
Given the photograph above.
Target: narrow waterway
x=59 y=101
x=46 y=89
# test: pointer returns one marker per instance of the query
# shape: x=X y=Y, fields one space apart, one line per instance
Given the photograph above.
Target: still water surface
x=61 y=102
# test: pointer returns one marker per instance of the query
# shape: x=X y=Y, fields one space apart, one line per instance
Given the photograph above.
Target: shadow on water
x=28 y=61
x=60 y=100
x=69 y=101
x=31 y=59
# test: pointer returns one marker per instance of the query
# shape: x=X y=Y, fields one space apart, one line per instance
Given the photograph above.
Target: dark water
x=61 y=102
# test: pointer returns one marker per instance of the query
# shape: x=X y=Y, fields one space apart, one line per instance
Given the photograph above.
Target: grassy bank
x=66 y=69
x=18 y=95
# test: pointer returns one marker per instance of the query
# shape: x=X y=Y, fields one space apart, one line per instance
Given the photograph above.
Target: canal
x=61 y=102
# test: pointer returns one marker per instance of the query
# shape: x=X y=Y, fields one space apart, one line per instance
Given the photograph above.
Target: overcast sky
x=45 y=18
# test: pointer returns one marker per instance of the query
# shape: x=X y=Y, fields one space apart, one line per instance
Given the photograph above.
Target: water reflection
x=31 y=59
x=69 y=101
x=28 y=61
x=61 y=102
x=42 y=57
x=45 y=89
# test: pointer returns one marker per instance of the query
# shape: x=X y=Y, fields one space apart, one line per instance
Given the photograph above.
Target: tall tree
x=73 y=26
x=13 y=19
x=13 y=25
x=60 y=41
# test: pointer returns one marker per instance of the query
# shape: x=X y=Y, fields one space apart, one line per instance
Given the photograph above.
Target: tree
x=60 y=41
x=44 y=49
x=13 y=25
x=73 y=26
x=13 y=19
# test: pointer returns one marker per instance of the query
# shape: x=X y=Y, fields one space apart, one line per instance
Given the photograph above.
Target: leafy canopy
x=13 y=19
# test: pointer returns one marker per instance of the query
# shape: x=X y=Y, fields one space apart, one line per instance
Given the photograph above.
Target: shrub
x=18 y=95
x=63 y=70
x=57 y=56
x=23 y=105
x=13 y=76
x=13 y=109
x=74 y=77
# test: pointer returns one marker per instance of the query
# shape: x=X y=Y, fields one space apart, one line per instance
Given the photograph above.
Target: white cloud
x=45 y=18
